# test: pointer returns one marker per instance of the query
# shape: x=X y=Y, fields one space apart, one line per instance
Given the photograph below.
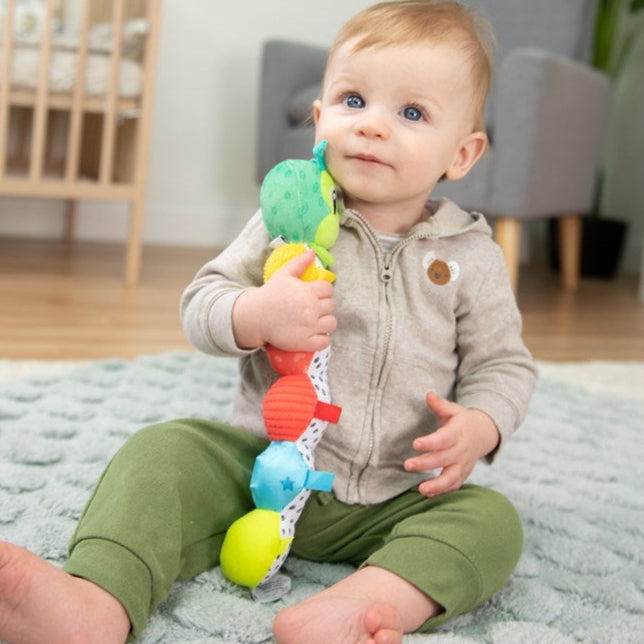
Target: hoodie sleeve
x=207 y=302
x=496 y=372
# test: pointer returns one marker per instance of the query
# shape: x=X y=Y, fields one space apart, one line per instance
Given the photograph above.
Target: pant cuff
x=118 y=571
x=438 y=569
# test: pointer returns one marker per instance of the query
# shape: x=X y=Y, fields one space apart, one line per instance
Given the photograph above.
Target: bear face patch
x=440 y=272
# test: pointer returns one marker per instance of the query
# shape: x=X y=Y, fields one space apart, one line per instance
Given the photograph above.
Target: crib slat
x=38 y=141
x=5 y=84
x=108 y=143
x=142 y=145
x=153 y=16
x=76 y=113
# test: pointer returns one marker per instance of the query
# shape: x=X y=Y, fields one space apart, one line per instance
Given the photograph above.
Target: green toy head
x=299 y=203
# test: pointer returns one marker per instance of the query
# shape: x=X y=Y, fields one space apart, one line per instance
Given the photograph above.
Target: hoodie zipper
x=386 y=271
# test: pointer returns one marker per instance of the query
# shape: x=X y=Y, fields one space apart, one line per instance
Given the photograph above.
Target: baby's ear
x=317 y=106
x=469 y=152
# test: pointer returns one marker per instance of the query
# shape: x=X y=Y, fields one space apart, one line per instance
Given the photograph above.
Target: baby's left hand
x=464 y=436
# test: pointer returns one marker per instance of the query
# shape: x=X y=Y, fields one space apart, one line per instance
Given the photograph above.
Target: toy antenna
x=318 y=151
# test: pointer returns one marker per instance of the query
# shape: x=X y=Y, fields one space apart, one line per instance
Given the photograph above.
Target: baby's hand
x=464 y=436
x=286 y=312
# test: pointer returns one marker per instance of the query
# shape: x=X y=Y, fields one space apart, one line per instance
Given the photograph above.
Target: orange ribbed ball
x=289 y=407
x=291 y=404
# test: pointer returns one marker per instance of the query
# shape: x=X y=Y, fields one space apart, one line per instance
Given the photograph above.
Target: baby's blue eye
x=353 y=100
x=412 y=113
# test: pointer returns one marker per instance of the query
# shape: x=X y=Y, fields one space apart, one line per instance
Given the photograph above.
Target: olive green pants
x=162 y=507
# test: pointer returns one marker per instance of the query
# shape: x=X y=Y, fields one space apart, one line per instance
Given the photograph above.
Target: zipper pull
x=387 y=271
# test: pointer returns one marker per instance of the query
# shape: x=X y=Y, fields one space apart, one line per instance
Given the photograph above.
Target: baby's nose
x=373 y=124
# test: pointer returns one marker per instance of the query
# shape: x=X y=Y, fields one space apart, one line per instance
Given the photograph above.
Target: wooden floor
x=59 y=302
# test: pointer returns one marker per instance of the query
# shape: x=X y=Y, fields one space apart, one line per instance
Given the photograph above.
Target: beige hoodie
x=435 y=313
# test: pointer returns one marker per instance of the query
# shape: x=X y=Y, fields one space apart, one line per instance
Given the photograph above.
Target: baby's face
x=395 y=119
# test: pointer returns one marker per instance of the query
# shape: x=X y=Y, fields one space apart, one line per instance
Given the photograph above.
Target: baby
x=427 y=364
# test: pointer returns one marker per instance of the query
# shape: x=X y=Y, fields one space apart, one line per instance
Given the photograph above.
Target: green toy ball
x=251 y=546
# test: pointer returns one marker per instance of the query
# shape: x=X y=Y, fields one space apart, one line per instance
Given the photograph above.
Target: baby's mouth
x=367 y=158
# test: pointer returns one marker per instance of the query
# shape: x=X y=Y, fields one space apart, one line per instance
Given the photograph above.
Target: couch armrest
x=287 y=67
x=549 y=118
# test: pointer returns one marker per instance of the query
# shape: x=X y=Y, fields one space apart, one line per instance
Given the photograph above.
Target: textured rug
x=575 y=471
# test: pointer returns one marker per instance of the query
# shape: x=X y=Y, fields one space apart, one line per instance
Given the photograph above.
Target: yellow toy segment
x=284 y=254
x=327 y=233
x=251 y=546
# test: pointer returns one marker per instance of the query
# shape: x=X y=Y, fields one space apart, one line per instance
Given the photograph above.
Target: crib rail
x=102 y=134
x=77 y=145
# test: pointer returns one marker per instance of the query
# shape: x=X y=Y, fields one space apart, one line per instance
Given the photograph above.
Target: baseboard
x=178 y=224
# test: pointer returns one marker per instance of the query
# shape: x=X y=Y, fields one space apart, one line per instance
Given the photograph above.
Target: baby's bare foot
x=41 y=603
x=342 y=620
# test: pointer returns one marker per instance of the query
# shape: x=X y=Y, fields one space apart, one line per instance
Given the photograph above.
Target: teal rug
x=575 y=471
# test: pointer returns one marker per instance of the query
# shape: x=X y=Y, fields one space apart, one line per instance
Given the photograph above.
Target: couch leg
x=133 y=251
x=70 y=220
x=507 y=233
x=570 y=250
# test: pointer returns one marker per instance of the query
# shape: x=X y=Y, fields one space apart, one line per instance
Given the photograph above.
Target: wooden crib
x=73 y=139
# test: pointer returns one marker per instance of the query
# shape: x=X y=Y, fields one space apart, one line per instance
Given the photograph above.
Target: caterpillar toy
x=299 y=204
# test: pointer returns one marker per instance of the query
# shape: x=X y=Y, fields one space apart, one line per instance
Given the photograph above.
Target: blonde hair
x=432 y=21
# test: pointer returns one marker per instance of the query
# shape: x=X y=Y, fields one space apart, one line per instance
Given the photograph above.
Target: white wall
x=201 y=186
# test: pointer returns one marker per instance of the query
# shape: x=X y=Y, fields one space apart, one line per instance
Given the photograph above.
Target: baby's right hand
x=286 y=312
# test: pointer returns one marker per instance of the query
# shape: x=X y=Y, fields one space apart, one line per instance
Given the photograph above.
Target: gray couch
x=545 y=118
